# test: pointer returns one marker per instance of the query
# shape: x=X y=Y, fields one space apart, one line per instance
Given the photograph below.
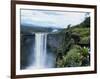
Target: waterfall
x=40 y=50
x=39 y=58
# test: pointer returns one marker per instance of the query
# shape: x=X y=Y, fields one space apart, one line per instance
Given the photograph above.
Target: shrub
x=75 y=57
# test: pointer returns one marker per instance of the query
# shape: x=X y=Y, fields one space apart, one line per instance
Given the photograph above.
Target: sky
x=47 y=18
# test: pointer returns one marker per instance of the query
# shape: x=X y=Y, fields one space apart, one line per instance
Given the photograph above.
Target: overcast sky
x=46 y=18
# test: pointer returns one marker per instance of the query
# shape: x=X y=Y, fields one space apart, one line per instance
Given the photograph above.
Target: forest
x=74 y=50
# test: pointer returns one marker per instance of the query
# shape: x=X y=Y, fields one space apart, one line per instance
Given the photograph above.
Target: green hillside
x=74 y=49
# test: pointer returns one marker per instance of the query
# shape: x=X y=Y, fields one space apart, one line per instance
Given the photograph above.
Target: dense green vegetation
x=74 y=49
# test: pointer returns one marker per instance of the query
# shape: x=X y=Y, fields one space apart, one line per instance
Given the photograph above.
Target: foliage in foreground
x=75 y=57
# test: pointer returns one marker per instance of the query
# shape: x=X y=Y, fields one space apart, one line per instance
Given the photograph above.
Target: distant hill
x=34 y=29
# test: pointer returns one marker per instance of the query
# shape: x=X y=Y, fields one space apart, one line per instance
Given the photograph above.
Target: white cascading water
x=40 y=50
x=39 y=57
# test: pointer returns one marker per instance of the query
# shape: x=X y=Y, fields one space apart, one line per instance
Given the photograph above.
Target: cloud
x=51 y=18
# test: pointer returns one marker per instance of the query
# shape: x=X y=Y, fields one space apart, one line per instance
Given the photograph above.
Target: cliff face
x=27 y=45
x=54 y=40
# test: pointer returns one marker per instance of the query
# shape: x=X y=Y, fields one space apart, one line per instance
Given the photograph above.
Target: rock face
x=27 y=45
x=54 y=41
